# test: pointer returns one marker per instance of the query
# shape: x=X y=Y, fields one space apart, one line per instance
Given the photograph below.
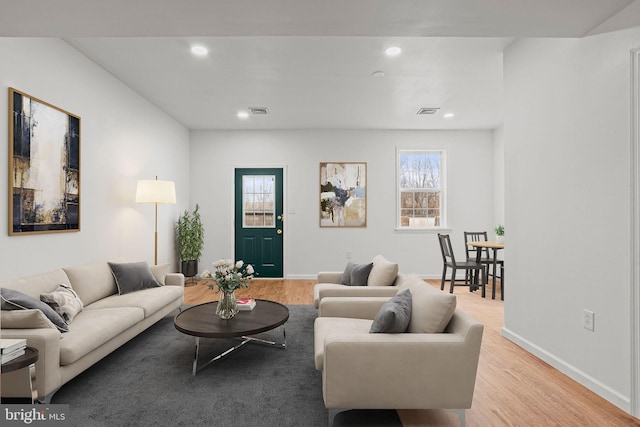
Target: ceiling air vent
x=427 y=110
x=258 y=110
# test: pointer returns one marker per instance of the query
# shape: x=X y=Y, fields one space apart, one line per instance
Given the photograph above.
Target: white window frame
x=263 y=210
x=443 y=192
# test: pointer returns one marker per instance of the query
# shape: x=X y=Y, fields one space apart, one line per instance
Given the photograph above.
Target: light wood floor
x=513 y=388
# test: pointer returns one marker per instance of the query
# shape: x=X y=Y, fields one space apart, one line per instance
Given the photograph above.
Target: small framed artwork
x=44 y=167
x=343 y=194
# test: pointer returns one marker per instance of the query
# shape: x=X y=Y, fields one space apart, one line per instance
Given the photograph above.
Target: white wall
x=309 y=248
x=567 y=146
x=123 y=138
x=498 y=176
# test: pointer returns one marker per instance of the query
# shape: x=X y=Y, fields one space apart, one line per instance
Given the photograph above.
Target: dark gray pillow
x=14 y=300
x=356 y=274
x=394 y=315
x=133 y=276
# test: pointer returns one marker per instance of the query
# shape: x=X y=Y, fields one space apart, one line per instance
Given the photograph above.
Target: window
x=258 y=195
x=420 y=189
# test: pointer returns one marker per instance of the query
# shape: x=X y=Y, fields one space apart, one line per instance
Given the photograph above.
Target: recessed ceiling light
x=393 y=51
x=243 y=115
x=199 y=50
x=448 y=115
x=378 y=74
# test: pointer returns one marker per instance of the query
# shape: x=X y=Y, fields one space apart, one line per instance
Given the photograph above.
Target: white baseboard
x=604 y=391
x=315 y=276
x=302 y=276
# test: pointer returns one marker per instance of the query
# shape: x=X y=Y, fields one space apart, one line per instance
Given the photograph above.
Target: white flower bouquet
x=229 y=275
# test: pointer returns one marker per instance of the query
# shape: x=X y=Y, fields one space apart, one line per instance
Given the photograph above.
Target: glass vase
x=227 y=305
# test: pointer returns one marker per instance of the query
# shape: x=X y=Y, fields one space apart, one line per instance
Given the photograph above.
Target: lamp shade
x=154 y=191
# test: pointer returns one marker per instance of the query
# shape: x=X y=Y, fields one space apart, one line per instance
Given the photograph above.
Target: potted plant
x=499 y=229
x=189 y=241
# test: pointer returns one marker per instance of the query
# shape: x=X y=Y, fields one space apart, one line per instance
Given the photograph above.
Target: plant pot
x=189 y=268
x=500 y=239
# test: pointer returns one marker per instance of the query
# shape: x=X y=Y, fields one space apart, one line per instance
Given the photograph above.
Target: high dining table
x=495 y=247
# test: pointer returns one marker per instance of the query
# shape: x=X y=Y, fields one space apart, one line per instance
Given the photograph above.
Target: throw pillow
x=160 y=272
x=25 y=319
x=133 y=276
x=432 y=308
x=64 y=301
x=356 y=274
x=14 y=300
x=394 y=315
x=383 y=273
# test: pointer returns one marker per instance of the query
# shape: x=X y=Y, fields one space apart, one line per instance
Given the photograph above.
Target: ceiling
x=311 y=63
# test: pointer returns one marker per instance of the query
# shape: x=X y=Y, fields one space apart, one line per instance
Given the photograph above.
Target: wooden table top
x=30 y=356
x=483 y=244
x=202 y=321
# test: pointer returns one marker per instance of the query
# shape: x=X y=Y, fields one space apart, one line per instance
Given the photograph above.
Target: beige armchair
x=431 y=366
x=382 y=282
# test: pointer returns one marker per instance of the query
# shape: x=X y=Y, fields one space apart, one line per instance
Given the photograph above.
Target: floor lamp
x=154 y=191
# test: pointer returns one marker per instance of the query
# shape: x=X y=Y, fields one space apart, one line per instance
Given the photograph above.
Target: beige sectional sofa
x=381 y=282
x=431 y=365
x=107 y=321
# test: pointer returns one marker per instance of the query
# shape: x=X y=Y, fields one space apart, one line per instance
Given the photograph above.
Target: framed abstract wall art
x=343 y=194
x=44 y=167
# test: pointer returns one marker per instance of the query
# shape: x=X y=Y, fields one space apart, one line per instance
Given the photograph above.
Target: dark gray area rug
x=148 y=382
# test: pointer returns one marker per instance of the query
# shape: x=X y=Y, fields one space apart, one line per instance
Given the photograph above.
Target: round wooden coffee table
x=201 y=321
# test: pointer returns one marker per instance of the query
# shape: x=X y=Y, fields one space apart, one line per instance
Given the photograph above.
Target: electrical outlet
x=589 y=318
x=348 y=255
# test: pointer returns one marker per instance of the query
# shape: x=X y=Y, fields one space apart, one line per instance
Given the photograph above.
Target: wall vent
x=258 y=110
x=427 y=110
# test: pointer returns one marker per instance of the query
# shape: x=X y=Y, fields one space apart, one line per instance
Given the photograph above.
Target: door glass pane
x=269 y=209
x=258 y=196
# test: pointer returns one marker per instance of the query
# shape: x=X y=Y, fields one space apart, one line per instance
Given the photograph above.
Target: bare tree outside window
x=420 y=188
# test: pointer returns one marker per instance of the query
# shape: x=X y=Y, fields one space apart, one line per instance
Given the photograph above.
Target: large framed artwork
x=343 y=194
x=44 y=167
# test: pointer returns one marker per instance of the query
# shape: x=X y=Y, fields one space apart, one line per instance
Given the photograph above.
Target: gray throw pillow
x=14 y=300
x=356 y=274
x=394 y=315
x=133 y=276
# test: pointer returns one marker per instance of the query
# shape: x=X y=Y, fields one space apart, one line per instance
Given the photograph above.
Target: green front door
x=258 y=220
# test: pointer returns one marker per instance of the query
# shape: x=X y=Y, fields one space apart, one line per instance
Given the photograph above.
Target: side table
x=28 y=359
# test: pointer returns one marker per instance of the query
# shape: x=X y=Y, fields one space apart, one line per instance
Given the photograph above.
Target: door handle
x=280 y=217
x=279 y=231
